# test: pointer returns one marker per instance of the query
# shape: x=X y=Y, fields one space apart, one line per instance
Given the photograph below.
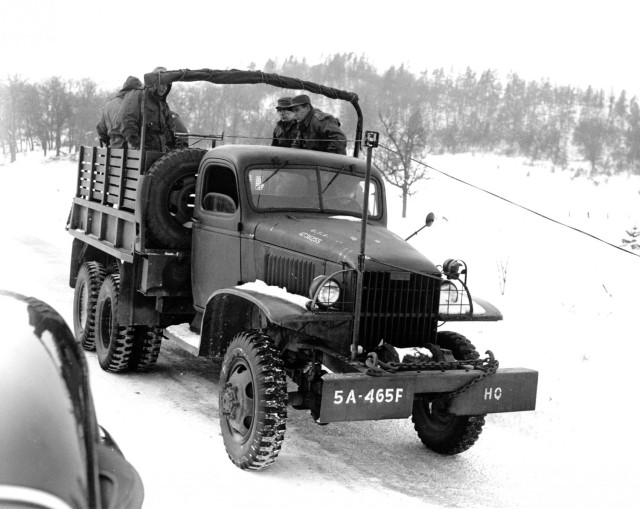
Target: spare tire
x=170 y=199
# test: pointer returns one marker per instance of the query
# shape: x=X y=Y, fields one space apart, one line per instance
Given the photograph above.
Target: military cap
x=284 y=103
x=299 y=100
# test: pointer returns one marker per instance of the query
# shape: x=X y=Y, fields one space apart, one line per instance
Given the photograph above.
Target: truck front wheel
x=114 y=343
x=439 y=430
x=252 y=401
x=85 y=297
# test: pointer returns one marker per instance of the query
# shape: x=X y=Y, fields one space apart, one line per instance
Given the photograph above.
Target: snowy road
x=571 y=452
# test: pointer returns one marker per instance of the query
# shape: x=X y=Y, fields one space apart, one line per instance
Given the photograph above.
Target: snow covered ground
x=570 y=304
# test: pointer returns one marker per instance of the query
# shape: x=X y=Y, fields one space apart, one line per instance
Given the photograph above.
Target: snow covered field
x=570 y=305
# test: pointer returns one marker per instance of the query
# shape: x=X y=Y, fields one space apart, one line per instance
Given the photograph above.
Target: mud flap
x=358 y=397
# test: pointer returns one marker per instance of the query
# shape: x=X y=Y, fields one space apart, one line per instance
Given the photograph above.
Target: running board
x=183 y=337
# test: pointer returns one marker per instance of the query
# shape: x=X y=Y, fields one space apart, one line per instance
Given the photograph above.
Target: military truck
x=279 y=261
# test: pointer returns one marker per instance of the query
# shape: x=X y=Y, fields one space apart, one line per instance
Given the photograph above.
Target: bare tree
x=404 y=129
x=85 y=103
x=33 y=112
x=591 y=135
x=57 y=109
x=10 y=114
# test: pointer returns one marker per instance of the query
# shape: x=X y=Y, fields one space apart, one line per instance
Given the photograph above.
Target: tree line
x=435 y=111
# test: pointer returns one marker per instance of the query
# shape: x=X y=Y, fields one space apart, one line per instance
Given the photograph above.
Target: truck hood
x=337 y=239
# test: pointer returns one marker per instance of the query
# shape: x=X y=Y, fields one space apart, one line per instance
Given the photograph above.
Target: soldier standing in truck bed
x=162 y=123
x=317 y=130
x=109 y=128
x=286 y=129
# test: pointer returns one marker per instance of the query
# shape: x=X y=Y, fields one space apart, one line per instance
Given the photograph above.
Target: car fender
x=53 y=450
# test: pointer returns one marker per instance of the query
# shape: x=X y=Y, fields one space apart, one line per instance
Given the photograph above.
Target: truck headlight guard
x=324 y=291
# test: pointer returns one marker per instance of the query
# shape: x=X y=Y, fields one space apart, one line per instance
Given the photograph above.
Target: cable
x=243 y=137
x=595 y=237
x=516 y=204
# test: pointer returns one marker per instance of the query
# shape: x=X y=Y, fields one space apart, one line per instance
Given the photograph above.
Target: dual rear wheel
x=119 y=347
x=85 y=297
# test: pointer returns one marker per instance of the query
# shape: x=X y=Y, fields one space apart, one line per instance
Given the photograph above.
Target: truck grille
x=293 y=274
x=399 y=307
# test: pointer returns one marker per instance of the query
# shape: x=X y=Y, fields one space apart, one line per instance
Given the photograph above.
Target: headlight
x=327 y=291
x=454 y=299
x=449 y=295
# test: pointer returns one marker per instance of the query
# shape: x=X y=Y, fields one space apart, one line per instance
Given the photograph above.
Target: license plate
x=349 y=397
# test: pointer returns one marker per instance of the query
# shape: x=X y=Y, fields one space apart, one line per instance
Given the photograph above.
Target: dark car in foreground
x=53 y=453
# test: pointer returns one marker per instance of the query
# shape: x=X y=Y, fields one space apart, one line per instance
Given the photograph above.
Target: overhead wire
x=511 y=202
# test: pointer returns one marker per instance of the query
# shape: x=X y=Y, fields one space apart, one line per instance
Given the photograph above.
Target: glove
x=134 y=143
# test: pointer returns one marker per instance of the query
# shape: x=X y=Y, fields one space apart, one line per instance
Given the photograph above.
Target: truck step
x=184 y=337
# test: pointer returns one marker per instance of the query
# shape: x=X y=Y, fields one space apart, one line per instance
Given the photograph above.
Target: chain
x=488 y=365
x=489 y=369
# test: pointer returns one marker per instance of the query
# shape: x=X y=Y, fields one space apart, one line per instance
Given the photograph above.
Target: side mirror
x=427 y=222
x=431 y=217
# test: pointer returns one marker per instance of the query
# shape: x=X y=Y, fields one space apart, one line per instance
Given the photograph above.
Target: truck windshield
x=311 y=189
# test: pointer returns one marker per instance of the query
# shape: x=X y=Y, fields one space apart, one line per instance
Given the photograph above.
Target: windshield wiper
x=274 y=173
x=269 y=178
x=330 y=182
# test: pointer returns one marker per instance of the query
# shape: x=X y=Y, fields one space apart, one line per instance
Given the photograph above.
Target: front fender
x=480 y=311
x=233 y=310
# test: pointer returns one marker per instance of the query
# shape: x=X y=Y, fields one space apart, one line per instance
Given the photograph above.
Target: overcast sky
x=570 y=42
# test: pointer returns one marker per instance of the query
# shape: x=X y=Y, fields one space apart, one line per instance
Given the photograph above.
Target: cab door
x=215 y=259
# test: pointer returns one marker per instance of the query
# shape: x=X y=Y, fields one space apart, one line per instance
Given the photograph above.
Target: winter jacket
x=320 y=131
x=284 y=134
x=176 y=125
x=162 y=123
x=109 y=128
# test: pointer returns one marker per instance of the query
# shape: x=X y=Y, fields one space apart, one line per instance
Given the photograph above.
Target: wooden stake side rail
x=104 y=227
x=104 y=207
x=109 y=177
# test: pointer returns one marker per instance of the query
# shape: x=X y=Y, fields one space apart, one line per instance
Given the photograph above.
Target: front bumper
x=357 y=396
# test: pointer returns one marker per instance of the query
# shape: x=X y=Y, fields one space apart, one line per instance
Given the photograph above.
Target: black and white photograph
x=329 y=255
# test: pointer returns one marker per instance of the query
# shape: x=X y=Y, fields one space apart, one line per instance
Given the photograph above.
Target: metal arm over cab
x=240 y=77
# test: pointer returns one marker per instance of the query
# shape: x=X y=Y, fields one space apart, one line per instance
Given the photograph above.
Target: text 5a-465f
x=388 y=395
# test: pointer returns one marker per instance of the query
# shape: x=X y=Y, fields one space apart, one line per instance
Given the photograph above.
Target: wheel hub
x=230 y=402
x=237 y=401
x=438 y=410
x=181 y=200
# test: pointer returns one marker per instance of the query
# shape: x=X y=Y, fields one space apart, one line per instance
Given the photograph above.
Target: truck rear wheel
x=85 y=297
x=439 y=430
x=146 y=347
x=114 y=343
x=171 y=190
x=252 y=401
